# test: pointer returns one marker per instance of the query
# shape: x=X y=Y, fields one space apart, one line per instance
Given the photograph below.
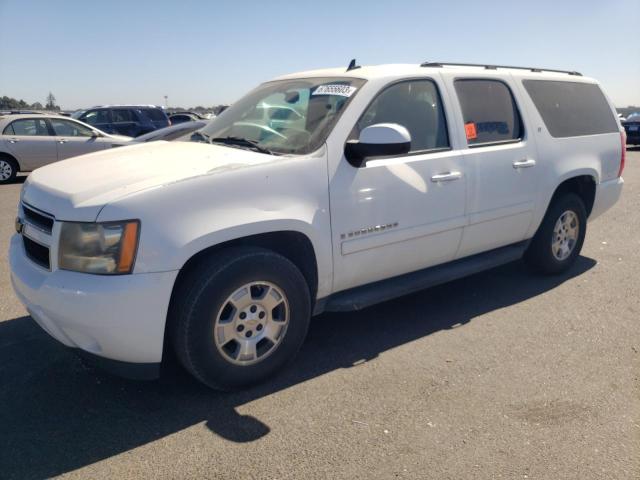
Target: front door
x=74 y=139
x=399 y=214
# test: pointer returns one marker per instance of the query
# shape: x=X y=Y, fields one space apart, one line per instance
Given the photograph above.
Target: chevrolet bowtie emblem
x=19 y=225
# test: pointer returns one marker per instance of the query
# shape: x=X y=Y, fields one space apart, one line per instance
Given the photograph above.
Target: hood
x=77 y=188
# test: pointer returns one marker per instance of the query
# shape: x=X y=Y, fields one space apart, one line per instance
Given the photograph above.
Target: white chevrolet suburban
x=387 y=180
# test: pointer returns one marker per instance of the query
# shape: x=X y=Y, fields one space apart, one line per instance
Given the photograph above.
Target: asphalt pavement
x=504 y=374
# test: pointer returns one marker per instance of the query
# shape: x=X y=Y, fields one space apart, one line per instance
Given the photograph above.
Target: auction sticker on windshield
x=342 y=90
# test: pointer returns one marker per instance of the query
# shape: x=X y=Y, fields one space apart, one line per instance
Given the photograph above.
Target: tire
x=548 y=253
x=207 y=328
x=8 y=169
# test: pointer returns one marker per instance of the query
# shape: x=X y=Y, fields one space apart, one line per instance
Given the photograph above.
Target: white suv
x=393 y=178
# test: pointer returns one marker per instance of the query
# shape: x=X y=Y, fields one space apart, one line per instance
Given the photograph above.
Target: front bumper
x=117 y=318
x=607 y=194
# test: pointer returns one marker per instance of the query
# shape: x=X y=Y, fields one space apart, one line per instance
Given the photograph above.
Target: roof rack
x=495 y=67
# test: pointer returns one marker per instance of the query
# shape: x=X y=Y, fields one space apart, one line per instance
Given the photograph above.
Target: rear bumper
x=607 y=194
x=117 y=318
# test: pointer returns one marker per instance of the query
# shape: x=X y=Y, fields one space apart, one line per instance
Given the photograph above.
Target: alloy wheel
x=251 y=323
x=565 y=235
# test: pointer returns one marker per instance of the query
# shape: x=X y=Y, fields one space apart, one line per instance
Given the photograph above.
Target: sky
x=212 y=52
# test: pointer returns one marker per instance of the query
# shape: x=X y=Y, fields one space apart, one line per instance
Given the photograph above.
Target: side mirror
x=378 y=140
x=95 y=134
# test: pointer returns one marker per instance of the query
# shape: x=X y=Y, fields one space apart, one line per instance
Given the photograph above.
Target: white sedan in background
x=29 y=141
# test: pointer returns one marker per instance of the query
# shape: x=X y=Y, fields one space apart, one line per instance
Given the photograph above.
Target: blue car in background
x=130 y=120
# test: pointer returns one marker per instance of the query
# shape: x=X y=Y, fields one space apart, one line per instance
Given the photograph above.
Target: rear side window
x=27 y=127
x=489 y=111
x=571 y=109
x=155 y=114
x=123 y=115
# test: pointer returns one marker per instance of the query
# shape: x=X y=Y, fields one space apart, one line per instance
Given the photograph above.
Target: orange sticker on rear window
x=470 y=130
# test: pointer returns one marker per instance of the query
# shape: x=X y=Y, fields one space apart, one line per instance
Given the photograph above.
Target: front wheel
x=239 y=317
x=558 y=241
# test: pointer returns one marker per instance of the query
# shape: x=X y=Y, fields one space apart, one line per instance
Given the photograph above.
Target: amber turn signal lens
x=128 y=247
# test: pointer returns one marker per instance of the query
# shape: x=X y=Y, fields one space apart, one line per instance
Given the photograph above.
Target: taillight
x=623 y=154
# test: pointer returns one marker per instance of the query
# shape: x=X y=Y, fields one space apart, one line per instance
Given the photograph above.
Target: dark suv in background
x=130 y=120
x=632 y=128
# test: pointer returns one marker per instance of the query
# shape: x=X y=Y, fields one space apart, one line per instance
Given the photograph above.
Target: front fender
x=179 y=220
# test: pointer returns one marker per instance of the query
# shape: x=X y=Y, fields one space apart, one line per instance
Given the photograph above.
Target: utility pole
x=166 y=101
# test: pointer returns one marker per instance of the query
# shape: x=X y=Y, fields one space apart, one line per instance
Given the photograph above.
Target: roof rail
x=495 y=67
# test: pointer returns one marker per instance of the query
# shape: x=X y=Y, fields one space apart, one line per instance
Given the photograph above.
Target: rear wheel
x=8 y=169
x=239 y=317
x=558 y=241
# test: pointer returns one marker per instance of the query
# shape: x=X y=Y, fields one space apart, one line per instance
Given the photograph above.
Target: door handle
x=13 y=140
x=524 y=163
x=446 y=177
x=62 y=141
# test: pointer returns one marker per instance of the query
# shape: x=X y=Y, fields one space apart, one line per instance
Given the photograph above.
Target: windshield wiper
x=242 y=142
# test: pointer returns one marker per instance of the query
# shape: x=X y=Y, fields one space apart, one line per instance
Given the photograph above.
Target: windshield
x=284 y=117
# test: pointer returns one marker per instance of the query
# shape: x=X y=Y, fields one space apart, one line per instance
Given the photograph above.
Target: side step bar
x=364 y=296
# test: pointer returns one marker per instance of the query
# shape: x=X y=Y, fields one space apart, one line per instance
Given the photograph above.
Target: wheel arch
x=11 y=157
x=291 y=244
x=583 y=185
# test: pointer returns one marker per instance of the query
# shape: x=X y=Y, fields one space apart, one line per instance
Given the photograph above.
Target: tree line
x=9 y=103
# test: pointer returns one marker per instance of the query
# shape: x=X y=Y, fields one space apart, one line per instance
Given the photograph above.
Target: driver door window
x=65 y=128
x=416 y=106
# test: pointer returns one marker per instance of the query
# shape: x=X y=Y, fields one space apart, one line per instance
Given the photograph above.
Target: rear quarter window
x=571 y=109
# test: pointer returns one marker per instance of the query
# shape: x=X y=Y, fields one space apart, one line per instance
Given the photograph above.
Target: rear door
x=30 y=142
x=126 y=122
x=502 y=156
x=157 y=118
x=74 y=139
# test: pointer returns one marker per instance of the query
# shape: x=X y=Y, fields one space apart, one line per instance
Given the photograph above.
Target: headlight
x=102 y=248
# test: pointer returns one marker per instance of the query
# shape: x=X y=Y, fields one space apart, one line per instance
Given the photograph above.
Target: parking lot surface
x=503 y=374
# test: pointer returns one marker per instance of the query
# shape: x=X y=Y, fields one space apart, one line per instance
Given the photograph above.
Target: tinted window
x=489 y=111
x=181 y=118
x=155 y=114
x=96 y=117
x=27 y=127
x=416 y=106
x=123 y=116
x=570 y=109
x=65 y=128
